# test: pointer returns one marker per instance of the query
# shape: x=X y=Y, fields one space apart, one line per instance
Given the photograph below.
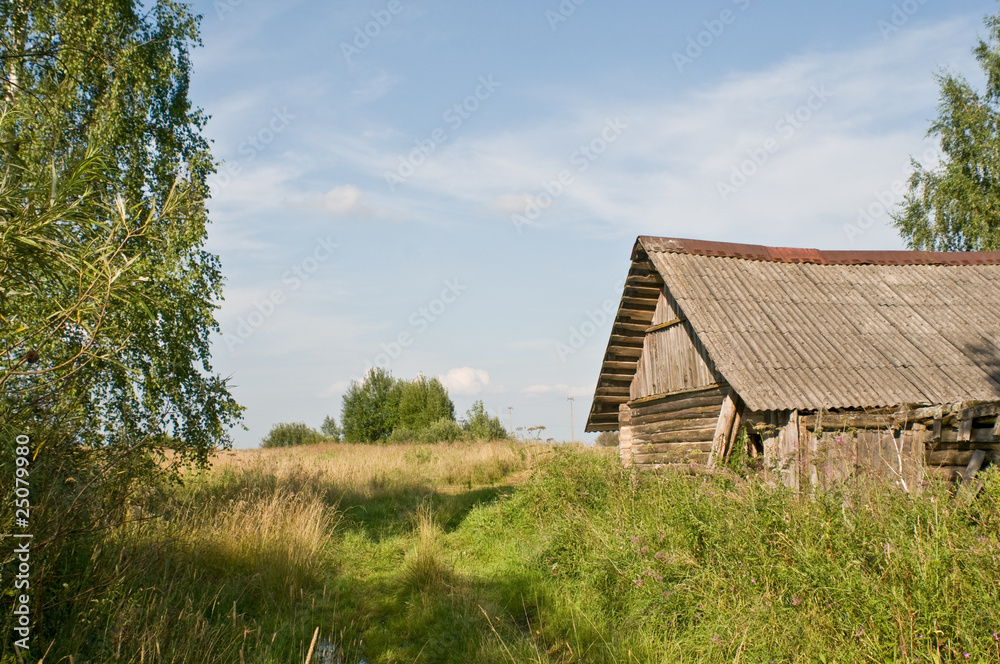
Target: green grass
x=451 y=553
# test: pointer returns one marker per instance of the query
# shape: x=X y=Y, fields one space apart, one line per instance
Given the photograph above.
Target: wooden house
x=832 y=362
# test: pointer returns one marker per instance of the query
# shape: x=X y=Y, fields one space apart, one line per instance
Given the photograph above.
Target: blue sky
x=453 y=188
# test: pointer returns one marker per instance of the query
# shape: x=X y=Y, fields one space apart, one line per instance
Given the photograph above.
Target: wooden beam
x=723 y=427
x=834 y=421
x=685 y=436
x=610 y=365
x=654 y=398
x=965 y=427
x=669 y=423
x=996 y=428
x=958 y=457
x=663 y=326
x=690 y=412
x=975 y=463
x=977 y=436
x=663 y=448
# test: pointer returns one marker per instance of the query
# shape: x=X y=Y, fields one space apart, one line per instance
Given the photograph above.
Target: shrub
x=290 y=434
x=330 y=428
x=607 y=439
x=371 y=407
x=423 y=402
x=383 y=408
x=480 y=425
x=443 y=431
x=402 y=436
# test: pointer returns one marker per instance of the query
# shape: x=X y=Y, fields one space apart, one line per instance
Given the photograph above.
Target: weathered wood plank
x=948 y=411
x=975 y=463
x=963 y=445
x=674 y=424
x=976 y=436
x=947 y=473
x=958 y=457
x=996 y=428
x=688 y=436
x=692 y=413
x=665 y=448
x=715 y=391
x=684 y=455
x=664 y=326
x=625 y=437
x=723 y=427
x=837 y=421
x=965 y=428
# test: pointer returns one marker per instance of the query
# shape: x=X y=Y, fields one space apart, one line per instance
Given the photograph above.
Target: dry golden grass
x=364 y=470
x=238 y=566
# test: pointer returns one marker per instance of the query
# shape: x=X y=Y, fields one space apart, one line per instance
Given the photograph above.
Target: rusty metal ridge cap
x=763 y=253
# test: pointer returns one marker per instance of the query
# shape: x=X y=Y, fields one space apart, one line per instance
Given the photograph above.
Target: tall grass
x=242 y=562
x=505 y=553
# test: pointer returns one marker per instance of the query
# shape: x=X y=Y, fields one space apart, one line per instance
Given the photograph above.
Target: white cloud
x=374 y=87
x=535 y=390
x=662 y=175
x=465 y=381
x=343 y=199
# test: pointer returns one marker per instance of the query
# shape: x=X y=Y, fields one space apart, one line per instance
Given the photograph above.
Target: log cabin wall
x=625 y=434
x=672 y=359
x=671 y=429
x=905 y=446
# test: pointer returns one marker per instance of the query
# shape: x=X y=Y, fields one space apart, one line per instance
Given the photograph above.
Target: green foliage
x=292 y=433
x=370 y=408
x=99 y=121
x=330 y=428
x=383 y=408
x=442 y=431
x=107 y=294
x=956 y=206
x=479 y=425
x=445 y=430
x=423 y=402
x=607 y=439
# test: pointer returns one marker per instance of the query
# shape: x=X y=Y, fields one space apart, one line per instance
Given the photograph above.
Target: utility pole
x=510 y=419
x=572 y=436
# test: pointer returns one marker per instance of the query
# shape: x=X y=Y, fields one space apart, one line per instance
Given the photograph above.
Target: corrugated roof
x=808 y=329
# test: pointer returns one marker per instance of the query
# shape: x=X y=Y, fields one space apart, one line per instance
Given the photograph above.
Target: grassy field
x=505 y=552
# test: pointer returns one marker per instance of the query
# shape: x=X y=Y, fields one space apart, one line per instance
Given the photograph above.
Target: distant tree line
x=384 y=409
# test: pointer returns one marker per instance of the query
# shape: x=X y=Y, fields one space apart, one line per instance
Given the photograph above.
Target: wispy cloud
x=465 y=381
x=560 y=389
x=664 y=172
